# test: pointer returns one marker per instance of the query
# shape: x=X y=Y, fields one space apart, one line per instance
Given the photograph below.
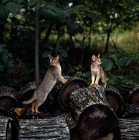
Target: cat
x=97 y=72
x=52 y=75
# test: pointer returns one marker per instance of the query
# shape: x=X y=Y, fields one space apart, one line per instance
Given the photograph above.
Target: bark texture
x=130 y=111
x=129 y=129
x=115 y=99
x=130 y=92
x=51 y=128
x=9 y=129
x=7 y=99
x=91 y=117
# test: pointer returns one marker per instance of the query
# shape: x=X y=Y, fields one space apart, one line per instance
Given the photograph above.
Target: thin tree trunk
x=107 y=41
x=74 y=53
x=109 y=31
x=37 y=43
x=58 y=37
x=90 y=28
x=46 y=37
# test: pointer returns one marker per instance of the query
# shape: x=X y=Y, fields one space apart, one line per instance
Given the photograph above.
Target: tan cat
x=52 y=75
x=97 y=72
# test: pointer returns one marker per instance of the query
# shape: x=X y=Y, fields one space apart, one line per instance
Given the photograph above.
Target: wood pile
x=73 y=111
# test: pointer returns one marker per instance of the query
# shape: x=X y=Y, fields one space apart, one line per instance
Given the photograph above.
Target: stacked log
x=52 y=103
x=130 y=111
x=129 y=129
x=67 y=89
x=134 y=95
x=9 y=129
x=129 y=92
x=7 y=99
x=51 y=128
x=90 y=116
x=115 y=99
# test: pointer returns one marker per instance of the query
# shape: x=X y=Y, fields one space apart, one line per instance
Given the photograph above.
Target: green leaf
x=63 y=52
x=13 y=7
x=108 y=65
x=32 y=2
x=4 y=1
x=129 y=60
x=3 y=14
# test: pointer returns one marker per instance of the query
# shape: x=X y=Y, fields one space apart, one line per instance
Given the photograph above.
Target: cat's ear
x=93 y=57
x=98 y=55
x=57 y=57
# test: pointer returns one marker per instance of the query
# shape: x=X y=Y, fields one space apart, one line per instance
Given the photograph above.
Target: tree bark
x=7 y=99
x=129 y=129
x=37 y=43
x=58 y=37
x=48 y=128
x=46 y=38
x=115 y=99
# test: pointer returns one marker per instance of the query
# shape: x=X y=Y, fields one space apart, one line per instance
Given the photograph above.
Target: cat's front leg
x=97 y=80
x=62 y=79
x=93 y=80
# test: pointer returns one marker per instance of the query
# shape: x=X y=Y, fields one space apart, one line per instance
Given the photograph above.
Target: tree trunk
x=46 y=37
x=37 y=43
x=74 y=52
x=107 y=41
x=58 y=37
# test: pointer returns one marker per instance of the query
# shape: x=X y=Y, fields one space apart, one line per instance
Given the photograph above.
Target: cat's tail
x=30 y=100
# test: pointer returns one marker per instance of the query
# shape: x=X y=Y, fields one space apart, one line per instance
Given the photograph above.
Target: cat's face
x=96 y=60
x=53 y=60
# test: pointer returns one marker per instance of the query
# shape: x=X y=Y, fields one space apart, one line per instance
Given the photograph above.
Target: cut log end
x=135 y=98
x=95 y=122
x=64 y=95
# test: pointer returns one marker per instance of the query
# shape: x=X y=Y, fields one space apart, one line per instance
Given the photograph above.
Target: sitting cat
x=52 y=75
x=97 y=72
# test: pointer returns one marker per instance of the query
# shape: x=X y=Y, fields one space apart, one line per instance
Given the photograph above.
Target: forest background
x=32 y=29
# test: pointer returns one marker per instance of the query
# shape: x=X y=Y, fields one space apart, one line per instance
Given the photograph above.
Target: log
x=26 y=93
x=5 y=112
x=9 y=129
x=127 y=90
x=7 y=99
x=129 y=129
x=67 y=89
x=115 y=99
x=130 y=111
x=23 y=113
x=134 y=95
x=50 y=128
x=91 y=117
